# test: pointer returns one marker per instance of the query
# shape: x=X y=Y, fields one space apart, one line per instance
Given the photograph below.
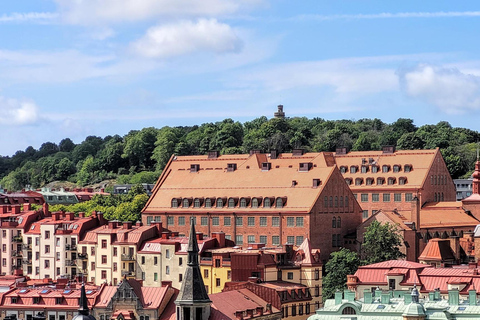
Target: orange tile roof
x=248 y=180
x=420 y=160
x=437 y=250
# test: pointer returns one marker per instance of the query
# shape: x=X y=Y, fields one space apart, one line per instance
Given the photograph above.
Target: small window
x=266 y=203
x=227 y=221
x=391 y=181
x=181 y=221
x=374 y=169
x=364 y=169
x=385 y=168
x=396 y=168
x=204 y=221
x=186 y=203
x=231 y=203
x=251 y=221
x=263 y=221
x=290 y=275
x=407 y=168
x=365 y=214
x=369 y=181
x=334 y=222
x=243 y=203
x=402 y=181
x=386 y=197
x=290 y=239
x=299 y=221
x=343 y=169
x=251 y=239
x=375 y=197
x=364 y=197
x=275 y=221
x=397 y=197
x=290 y=221
x=219 y=203
x=196 y=203
x=348 y=181
x=254 y=203
x=104 y=243
x=353 y=169
x=174 y=203
x=279 y=203
x=275 y=240
x=208 y=203
x=215 y=221
x=349 y=310
x=358 y=181
x=380 y=181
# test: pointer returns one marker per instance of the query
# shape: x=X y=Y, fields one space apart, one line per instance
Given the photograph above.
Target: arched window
x=391 y=181
x=331 y=202
x=346 y=201
x=266 y=203
x=254 y=203
x=343 y=169
x=369 y=181
x=396 y=168
x=349 y=310
x=435 y=197
x=348 y=181
x=353 y=169
x=279 y=203
x=208 y=203
x=325 y=202
x=219 y=203
x=186 y=203
x=196 y=203
x=380 y=181
x=402 y=180
x=385 y=168
x=407 y=168
x=334 y=222
x=358 y=181
x=339 y=222
x=374 y=169
x=231 y=203
x=336 y=202
x=243 y=203
x=364 y=169
x=441 y=197
x=174 y=203
x=341 y=201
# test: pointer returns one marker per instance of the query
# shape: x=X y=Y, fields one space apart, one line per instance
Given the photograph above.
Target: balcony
x=17 y=253
x=17 y=239
x=70 y=263
x=28 y=262
x=16 y=267
x=70 y=247
x=128 y=257
x=82 y=256
x=27 y=246
x=11 y=224
x=128 y=273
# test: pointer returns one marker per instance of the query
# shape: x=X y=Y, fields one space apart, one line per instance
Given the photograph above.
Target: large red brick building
x=390 y=179
x=258 y=198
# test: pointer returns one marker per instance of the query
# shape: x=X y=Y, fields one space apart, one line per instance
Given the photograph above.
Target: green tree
x=381 y=242
x=341 y=264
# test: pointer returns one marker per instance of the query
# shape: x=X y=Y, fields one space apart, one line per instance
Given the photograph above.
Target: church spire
x=83 y=311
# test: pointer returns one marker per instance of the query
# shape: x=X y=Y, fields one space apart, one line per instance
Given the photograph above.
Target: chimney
x=157 y=224
x=165 y=234
x=112 y=224
x=127 y=225
x=254 y=151
x=139 y=224
x=298 y=152
x=16 y=209
x=101 y=219
x=94 y=214
x=213 y=154
x=259 y=311
x=341 y=150
x=45 y=209
x=81 y=214
x=56 y=216
x=239 y=315
x=199 y=235
x=388 y=149
x=220 y=236
x=416 y=212
x=27 y=207
x=273 y=154
x=70 y=216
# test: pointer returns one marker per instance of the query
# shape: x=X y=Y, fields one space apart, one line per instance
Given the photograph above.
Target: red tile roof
x=437 y=250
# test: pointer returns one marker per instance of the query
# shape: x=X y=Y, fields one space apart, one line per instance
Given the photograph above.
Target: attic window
x=186 y=203
x=396 y=168
x=231 y=203
x=219 y=203
x=194 y=167
x=266 y=203
x=243 y=203
x=358 y=181
x=280 y=202
x=407 y=168
x=266 y=166
x=380 y=181
x=174 y=203
x=231 y=167
x=255 y=202
x=364 y=169
x=348 y=181
x=305 y=166
x=385 y=168
x=402 y=180
x=343 y=169
x=374 y=169
x=391 y=181
x=353 y=169
x=316 y=182
x=369 y=181
x=196 y=203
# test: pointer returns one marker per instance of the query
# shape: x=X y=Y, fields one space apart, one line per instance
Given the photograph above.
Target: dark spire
x=193 y=289
x=83 y=309
x=192 y=245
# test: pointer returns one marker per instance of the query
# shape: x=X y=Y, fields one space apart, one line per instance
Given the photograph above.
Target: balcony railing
x=82 y=256
x=16 y=253
x=17 y=239
x=128 y=273
x=128 y=257
x=70 y=263
x=26 y=246
x=15 y=267
x=71 y=247
x=27 y=261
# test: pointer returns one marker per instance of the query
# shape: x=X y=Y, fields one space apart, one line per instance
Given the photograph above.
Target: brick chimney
x=138 y=224
x=27 y=207
x=55 y=216
x=220 y=236
x=158 y=225
x=199 y=235
x=81 y=214
x=16 y=209
x=239 y=315
x=70 y=216
x=45 y=209
x=127 y=225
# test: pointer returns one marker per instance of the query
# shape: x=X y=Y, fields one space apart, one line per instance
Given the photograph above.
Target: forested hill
x=140 y=155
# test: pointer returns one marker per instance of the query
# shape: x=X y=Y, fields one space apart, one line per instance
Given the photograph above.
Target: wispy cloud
x=387 y=15
x=18 y=112
x=28 y=17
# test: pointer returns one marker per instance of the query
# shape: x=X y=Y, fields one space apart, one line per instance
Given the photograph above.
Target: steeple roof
x=83 y=311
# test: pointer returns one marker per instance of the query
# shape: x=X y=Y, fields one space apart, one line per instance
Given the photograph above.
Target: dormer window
x=369 y=181
x=280 y=202
x=194 y=167
x=385 y=168
x=174 y=203
x=402 y=180
x=358 y=181
x=380 y=181
x=348 y=181
x=219 y=203
x=231 y=203
x=343 y=169
x=256 y=202
x=396 y=168
x=208 y=203
x=266 y=166
x=186 y=203
x=243 y=203
x=266 y=203
x=353 y=169
x=364 y=169
x=391 y=181
x=374 y=169
x=407 y=168
x=196 y=203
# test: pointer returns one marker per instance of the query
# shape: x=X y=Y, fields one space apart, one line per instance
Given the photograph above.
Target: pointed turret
x=83 y=311
x=193 y=302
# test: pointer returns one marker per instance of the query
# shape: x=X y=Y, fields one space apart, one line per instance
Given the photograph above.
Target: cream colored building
x=108 y=253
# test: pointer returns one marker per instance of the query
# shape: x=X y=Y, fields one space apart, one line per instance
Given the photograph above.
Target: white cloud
x=29 y=16
x=18 y=112
x=389 y=15
x=187 y=37
x=449 y=89
x=113 y=11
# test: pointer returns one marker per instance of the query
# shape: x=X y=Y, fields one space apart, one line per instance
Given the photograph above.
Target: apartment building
x=109 y=253
x=258 y=198
x=50 y=244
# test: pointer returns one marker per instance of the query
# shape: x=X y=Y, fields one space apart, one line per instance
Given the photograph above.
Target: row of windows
x=438 y=196
x=374 y=168
x=296 y=240
x=257 y=202
x=386 y=197
x=293 y=309
x=441 y=180
x=239 y=221
x=380 y=181
x=335 y=202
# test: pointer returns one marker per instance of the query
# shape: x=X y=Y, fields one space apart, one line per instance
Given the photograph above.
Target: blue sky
x=99 y=67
